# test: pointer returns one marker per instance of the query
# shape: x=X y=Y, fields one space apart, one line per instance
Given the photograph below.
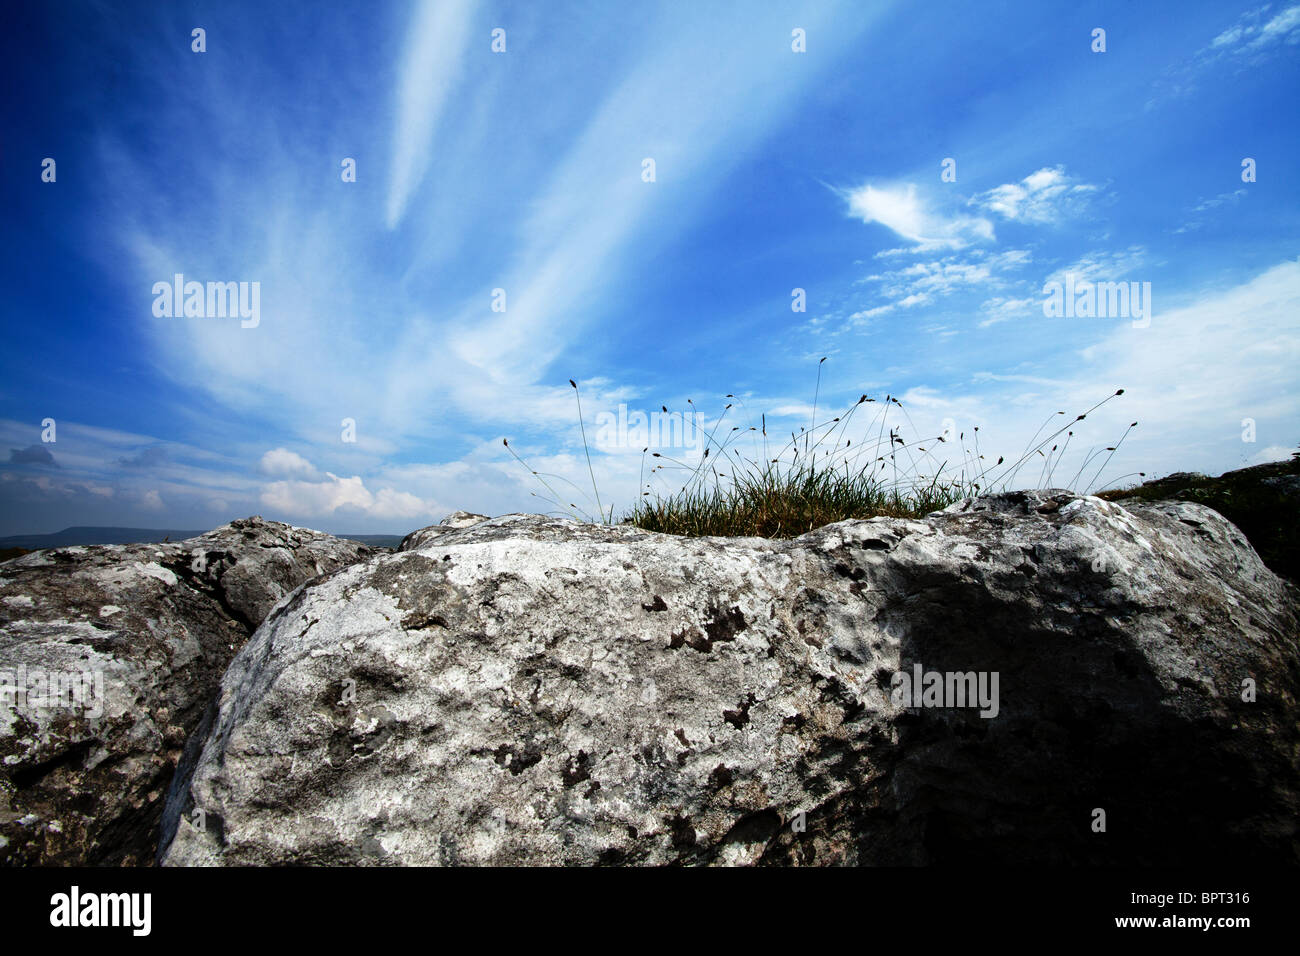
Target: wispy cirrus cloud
x=577 y=239
x=1102 y=265
x=1045 y=197
x=1002 y=308
x=923 y=283
x=1256 y=30
x=538 y=178
x=431 y=69
x=1198 y=217
x=1254 y=38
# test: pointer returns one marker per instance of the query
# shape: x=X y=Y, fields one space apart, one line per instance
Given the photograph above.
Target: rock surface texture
x=453 y=521
x=532 y=690
x=1262 y=500
x=133 y=640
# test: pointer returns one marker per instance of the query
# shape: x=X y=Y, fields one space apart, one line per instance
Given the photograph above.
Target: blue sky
x=523 y=171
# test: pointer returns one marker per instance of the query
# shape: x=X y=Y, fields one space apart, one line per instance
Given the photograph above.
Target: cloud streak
x=439 y=33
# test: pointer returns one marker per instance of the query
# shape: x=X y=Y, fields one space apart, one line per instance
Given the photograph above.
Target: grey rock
x=140 y=635
x=453 y=521
x=527 y=690
x=1286 y=486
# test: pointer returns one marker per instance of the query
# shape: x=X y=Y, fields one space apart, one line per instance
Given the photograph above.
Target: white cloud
x=343 y=495
x=1273 y=453
x=859 y=317
x=283 y=463
x=1189 y=379
x=95 y=484
x=1045 y=197
x=795 y=410
x=900 y=209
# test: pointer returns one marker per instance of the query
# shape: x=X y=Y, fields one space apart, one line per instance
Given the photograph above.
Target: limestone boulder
x=109 y=656
x=1116 y=684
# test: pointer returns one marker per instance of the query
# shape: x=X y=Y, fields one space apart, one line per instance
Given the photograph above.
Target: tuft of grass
x=819 y=476
x=858 y=464
x=775 y=502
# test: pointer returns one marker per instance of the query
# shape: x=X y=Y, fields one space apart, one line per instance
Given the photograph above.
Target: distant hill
x=375 y=540
x=93 y=535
